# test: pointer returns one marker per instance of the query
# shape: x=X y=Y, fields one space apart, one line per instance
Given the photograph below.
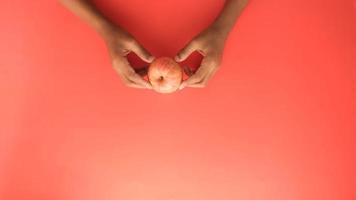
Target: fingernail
x=177 y=58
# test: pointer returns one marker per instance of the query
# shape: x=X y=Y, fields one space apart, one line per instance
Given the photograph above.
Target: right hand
x=210 y=44
x=120 y=43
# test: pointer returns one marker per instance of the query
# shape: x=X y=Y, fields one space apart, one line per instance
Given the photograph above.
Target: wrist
x=103 y=27
x=220 y=29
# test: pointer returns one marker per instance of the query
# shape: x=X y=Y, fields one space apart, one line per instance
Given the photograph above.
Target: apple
x=165 y=75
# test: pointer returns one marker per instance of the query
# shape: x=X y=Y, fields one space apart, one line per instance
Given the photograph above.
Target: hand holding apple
x=210 y=44
x=120 y=43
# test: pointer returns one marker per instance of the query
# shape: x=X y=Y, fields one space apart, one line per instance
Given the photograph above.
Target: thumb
x=141 y=52
x=185 y=52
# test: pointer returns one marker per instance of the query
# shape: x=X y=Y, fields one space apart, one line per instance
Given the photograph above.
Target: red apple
x=165 y=75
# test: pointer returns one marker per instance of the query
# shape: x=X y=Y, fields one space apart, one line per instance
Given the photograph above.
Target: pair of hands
x=209 y=43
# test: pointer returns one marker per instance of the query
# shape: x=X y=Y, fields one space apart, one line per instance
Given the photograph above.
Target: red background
x=277 y=121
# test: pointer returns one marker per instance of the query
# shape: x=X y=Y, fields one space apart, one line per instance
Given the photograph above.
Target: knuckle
x=194 y=79
x=119 y=70
x=201 y=85
x=125 y=81
x=181 y=53
x=215 y=60
x=130 y=41
x=130 y=84
x=215 y=63
x=195 y=43
x=204 y=83
x=116 y=62
x=132 y=75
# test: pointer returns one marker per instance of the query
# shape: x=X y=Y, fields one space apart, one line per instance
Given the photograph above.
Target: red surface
x=277 y=122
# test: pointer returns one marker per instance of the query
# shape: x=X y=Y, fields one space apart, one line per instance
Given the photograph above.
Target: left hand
x=210 y=44
x=120 y=43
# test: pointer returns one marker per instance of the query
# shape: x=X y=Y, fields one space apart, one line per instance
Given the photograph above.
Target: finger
x=141 y=52
x=137 y=79
x=185 y=52
x=128 y=74
x=211 y=74
x=131 y=82
x=194 y=79
x=190 y=84
x=211 y=65
x=197 y=77
x=134 y=85
x=202 y=75
x=198 y=85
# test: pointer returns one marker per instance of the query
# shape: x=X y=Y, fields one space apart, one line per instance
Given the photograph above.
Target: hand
x=120 y=43
x=210 y=43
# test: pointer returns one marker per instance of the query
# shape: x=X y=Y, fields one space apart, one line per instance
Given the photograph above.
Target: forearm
x=86 y=10
x=228 y=16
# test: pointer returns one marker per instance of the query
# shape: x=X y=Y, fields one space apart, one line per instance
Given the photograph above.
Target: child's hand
x=120 y=44
x=210 y=43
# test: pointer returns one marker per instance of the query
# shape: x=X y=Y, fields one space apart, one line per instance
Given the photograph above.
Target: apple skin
x=165 y=75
